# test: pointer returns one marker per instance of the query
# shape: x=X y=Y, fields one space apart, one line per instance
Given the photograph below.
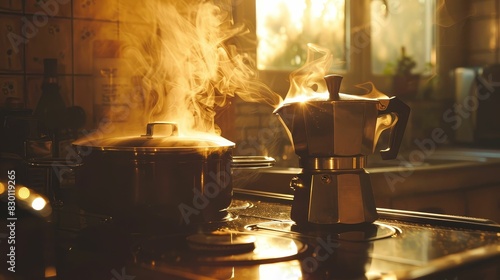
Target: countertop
x=444 y=169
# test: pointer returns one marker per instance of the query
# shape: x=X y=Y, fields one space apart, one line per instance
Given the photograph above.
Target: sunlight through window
x=285 y=27
x=397 y=25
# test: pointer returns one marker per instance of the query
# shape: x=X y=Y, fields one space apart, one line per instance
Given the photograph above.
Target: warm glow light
x=38 y=203
x=23 y=193
x=267 y=250
x=50 y=271
x=283 y=270
x=187 y=65
x=2 y=188
x=493 y=35
x=285 y=27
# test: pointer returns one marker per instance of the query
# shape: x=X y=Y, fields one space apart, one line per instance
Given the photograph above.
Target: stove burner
x=352 y=233
x=224 y=242
x=219 y=248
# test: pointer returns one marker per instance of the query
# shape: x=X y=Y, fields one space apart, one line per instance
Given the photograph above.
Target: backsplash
x=68 y=30
x=33 y=30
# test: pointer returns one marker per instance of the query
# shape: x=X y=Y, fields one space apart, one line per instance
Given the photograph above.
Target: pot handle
x=150 y=128
x=252 y=162
x=54 y=163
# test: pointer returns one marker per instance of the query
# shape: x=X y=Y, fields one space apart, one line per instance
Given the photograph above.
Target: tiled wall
x=32 y=30
x=483 y=33
x=257 y=131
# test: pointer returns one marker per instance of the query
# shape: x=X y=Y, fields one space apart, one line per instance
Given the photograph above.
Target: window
x=402 y=26
x=285 y=27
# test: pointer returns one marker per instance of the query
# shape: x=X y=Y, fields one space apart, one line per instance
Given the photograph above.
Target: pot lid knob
x=169 y=129
x=333 y=84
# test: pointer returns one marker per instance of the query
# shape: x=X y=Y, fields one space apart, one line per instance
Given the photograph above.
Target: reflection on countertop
x=391 y=248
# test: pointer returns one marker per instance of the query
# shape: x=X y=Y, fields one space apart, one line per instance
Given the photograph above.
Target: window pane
x=285 y=27
x=396 y=24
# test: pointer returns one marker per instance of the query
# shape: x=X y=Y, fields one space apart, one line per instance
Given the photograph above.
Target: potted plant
x=404 y=82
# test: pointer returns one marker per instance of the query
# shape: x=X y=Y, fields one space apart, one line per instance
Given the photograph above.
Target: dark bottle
x=51 y=108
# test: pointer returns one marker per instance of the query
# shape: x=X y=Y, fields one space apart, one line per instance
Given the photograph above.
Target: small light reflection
x=267 y=250
x=23 y=193
x=38 y=203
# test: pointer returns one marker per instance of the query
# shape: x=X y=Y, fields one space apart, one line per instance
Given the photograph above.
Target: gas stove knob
x=296 y=183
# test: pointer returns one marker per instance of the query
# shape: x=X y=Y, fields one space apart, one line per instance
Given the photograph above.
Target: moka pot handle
x=402 y=111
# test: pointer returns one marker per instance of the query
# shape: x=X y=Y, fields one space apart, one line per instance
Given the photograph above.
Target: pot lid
x=166 y=139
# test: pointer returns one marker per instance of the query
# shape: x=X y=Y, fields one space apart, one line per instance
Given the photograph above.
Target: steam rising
x=307 y=83
x=188 y=69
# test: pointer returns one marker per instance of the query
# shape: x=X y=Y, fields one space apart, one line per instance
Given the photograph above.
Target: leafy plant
x=403 y=67
x=405 y=64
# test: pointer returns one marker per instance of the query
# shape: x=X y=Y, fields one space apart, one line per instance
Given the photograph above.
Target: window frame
x=358 y=49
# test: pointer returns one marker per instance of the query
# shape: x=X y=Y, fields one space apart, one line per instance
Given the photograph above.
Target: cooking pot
x=159 y=176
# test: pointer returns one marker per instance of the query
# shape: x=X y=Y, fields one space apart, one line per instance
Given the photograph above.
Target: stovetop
x=259 y=241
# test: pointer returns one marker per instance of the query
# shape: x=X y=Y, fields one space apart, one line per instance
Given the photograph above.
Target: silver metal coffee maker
x=333 y=137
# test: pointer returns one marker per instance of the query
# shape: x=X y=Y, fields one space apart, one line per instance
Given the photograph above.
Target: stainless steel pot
x=159 y=176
